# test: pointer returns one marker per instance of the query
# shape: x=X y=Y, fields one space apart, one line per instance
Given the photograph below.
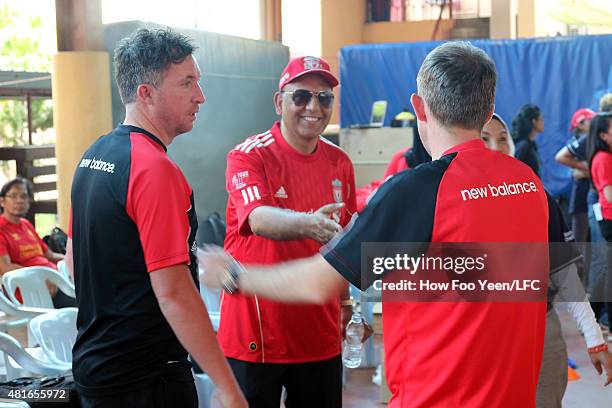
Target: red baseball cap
x=306 y=65
x=579 y=116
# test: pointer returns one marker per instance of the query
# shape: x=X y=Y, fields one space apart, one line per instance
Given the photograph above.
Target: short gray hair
x=143 y=57
x=457 y=81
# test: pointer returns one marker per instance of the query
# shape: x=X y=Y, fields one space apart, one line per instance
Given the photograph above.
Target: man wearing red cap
x=290 y=191
x=581 y=120
x=574 y=155
x=438 y=354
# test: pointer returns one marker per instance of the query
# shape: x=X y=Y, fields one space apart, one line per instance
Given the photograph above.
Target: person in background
x=573 y=155
x=496 y=136
x=553 y=372
x=599 y=156
x=20 y=245
x=605 y=103
x=580 y=122
x=596 y=278
x=405 y=158
x=408 y=157
x=526 y=126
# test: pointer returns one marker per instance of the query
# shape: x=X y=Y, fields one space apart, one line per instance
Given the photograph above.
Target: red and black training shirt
x=455 y=354
x=132 y=214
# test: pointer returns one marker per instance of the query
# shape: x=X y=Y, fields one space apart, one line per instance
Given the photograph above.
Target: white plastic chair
x=8 y=403
x=205 y=389
x=31 y=283
x=204 y=385
x=212 y=300
x=20 y=363
x=14 y=314
x=56 y=333
x=63 y=270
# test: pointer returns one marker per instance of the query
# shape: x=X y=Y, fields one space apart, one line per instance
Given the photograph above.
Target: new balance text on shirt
x=98 y=165
x=501 y=190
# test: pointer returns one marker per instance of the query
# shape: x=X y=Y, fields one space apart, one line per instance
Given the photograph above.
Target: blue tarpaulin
x=558 y=74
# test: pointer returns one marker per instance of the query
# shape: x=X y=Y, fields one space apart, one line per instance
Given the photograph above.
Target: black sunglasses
x=301 y=97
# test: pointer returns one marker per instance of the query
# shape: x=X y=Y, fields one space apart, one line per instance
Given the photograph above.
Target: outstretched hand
x=603 y=359
x=213 y=263
x=323 y=224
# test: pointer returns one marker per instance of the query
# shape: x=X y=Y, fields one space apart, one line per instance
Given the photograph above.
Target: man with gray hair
x=438 y=353
x=132 y=243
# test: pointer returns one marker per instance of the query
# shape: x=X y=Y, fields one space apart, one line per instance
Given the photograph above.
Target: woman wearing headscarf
x=553 y=372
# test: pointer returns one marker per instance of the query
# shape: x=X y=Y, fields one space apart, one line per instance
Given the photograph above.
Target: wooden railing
x=24 y=157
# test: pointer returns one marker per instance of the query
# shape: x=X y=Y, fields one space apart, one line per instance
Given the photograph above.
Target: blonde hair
x=605 y=103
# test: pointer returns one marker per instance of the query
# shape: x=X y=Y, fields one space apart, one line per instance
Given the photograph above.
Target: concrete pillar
x=270 y=19
x=503 y=19
x=526 y=24
x=342 y=24
x=79 y=25
x=82 y=112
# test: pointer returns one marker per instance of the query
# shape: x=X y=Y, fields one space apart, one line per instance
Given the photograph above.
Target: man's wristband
x=598 y=349
x=232 y=271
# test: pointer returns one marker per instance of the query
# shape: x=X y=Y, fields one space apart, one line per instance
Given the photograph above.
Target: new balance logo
x=281 y=193
x=250 y=194
x=261 y=140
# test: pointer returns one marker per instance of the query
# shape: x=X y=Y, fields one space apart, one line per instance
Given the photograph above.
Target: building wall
x=72 y=73
x=302 y=27
x=527 y=18
x=502 y=23
x=341 y=24
x=406 y=31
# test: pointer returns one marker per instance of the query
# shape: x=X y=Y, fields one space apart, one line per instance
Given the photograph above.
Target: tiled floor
x=360 y=392
x=588 y=392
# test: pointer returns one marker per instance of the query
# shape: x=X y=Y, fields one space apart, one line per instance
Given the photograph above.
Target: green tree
x=582 y=13
x=22 y=53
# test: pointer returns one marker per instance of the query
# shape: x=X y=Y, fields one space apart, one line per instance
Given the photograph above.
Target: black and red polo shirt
x=455 y=354
x=132 y=214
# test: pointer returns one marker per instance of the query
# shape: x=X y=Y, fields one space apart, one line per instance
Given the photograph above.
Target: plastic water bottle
x=351 y=355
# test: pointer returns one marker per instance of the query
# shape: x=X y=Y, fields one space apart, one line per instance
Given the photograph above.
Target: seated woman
x=20 y=245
